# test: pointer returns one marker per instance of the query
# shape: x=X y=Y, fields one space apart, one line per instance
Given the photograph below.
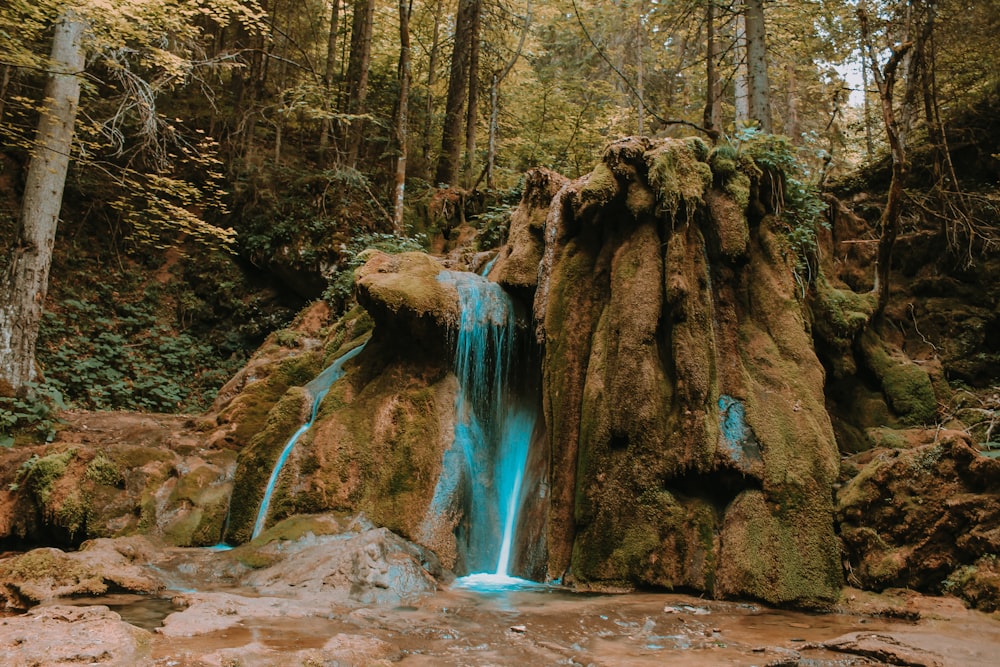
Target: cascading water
x=317 y=388
x=493 y=430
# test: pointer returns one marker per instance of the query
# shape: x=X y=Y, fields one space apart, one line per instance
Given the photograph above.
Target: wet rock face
x=689 y=443
x=922 y=517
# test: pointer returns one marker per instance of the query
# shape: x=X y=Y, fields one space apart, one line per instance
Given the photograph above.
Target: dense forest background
x=232 y=159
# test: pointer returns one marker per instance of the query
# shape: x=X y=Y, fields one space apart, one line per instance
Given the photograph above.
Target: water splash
x=492 y=428
x=317 y=388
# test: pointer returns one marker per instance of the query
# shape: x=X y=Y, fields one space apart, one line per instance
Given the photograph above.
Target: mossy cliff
x=688 y=441
x=380 y=431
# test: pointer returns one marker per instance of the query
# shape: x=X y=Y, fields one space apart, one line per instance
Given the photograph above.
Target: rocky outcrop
x=689 y=442
x=58 y=636
x=923 y=516
x=98 y=567
x=109 y=474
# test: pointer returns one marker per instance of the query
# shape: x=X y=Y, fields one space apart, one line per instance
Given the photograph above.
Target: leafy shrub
x=125 y=359
x=32 y=414
x=796 y=201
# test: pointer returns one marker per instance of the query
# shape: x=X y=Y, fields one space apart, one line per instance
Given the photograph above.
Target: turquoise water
x=492 y=430
x=318 y=387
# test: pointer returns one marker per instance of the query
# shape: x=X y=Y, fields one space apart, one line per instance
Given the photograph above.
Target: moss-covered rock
x=517 y=264
x=923 y=517
x=907 y=386
x=678 y=377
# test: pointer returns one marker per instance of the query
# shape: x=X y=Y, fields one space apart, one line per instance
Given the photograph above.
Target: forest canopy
x=290 y=135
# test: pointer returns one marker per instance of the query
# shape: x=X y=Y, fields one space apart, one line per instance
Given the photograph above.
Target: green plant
x=796 y=200
x=33 y=414
x=340 y=286
x=493 y=225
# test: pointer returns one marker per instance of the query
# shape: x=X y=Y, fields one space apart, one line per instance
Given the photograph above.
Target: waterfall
x=492 y=428
x=317 y=388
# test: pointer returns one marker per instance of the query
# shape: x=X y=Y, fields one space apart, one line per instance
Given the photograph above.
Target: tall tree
x=328 y=76
x=402 y=113
x=759 y=93
x=25 y=283
x=357 y=74
x=466 y=30
x=885 y=79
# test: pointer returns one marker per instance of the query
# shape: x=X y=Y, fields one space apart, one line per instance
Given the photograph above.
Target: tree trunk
x=640 y=73
x=741 y=84
x=792 y=113
x=458 y=87
x=885 y=80
x=759 y=92
x=431 y=79
x=328 y=72
x=472 y=112
x=498 y=77
x=402 y=113
x=710 y=119
x=357 y=74
x=26 y=279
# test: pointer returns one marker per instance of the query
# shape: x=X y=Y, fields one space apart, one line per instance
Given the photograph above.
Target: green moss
x=699 y=147
x=724 y=160
x=103 y=470
x=677 y=176
x=601 y=187
x=782 y=560
x=256 y=461
x=39 y=564
x=38 y=474
x=907 y=387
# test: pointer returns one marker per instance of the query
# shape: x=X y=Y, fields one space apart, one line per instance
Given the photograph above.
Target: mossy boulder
x=682 y=396
x=517 y=263
x=405 y=299
x=907 y=386
x=98 y=567
x=922 y=516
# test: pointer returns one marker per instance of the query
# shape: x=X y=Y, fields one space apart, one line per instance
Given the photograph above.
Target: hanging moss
x=677 y=176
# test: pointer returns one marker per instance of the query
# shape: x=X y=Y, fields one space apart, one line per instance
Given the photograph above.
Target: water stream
x=493 y=430
x=317 y=388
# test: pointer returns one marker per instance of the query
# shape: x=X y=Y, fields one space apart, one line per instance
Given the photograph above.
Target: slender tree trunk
x=498 y=77
x=640 y=70
x=458 y=87
x=710 y=119
x=4 y=82
x=472 y=112
x=759 y=92
x=26 y=279
x=885 y=80
x=328 y=75
x=741 y=83
x=869 y=139
x=431 y=79
x=792 y=108
x=357 y=74
x=402 y=113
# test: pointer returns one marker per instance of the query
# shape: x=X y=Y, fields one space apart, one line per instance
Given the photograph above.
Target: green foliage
x=340 y=287
x=33 y=415
x=103 y=470
x=126 y=359
x=796 y=201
